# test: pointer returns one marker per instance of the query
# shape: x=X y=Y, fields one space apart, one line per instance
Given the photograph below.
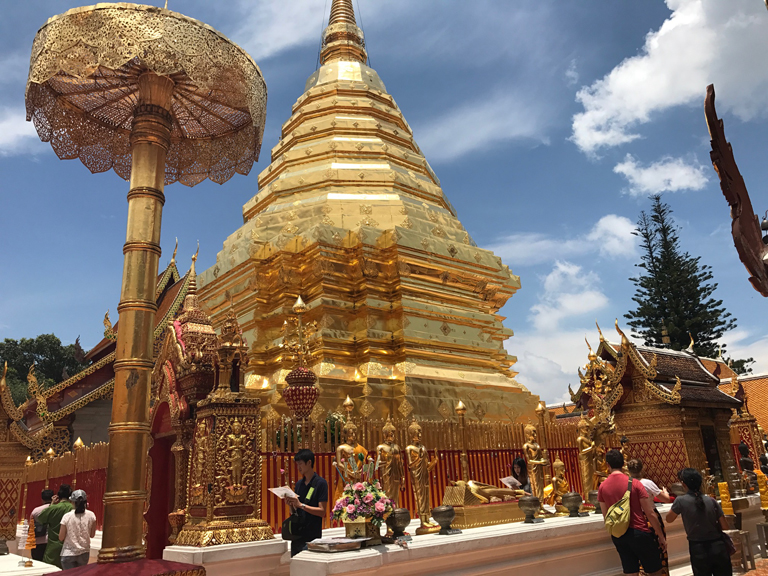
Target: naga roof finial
x=602 y=338
x=690 y=346
x=175 y=249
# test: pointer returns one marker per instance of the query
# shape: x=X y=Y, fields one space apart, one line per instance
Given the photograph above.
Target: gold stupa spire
x=342 y=39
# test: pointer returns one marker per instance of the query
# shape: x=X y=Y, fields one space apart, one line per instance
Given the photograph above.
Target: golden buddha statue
x=202 y=432
x=350 y=457
x=536 y=462
x=488 y=493
x=560 y=487
x=420 y=467
x=601 y=466
x=586 y=456
x=391 y=464
x=236 y=451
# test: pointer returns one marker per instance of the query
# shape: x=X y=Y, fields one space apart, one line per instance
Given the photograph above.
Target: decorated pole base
x=223 y=532
x=427 y=529
x=362 y=528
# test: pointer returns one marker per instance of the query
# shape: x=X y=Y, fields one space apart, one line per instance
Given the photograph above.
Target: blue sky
x=547 y=122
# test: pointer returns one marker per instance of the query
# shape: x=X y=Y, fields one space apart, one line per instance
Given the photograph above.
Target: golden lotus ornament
x=159 y=98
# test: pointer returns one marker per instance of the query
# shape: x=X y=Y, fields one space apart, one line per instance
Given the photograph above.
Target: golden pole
x=27 y=464
x=76 y=448
x=130 y=427
x=461 y=410
x=49 y=456
x=541 y=409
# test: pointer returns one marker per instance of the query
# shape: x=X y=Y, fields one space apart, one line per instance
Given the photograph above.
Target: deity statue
x=236 y=451
x=391 y=464
x=350 y=457
x=707 y=482
x=601 y=466
x=487 y=493
x=536 y=462
x=559 y=487
x=586 y=456
x=202 y=432
x=747 y=466
x=420 y=467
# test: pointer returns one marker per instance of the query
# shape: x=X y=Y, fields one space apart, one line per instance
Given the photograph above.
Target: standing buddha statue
x=350 y=457
x=391 y=464
x=601 y=467
x=536 y=462
x=586 y=456
x=420 y=466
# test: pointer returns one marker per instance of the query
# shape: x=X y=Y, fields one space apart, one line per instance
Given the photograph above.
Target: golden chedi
x=350 y=216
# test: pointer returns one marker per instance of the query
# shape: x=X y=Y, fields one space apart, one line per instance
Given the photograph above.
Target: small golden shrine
x=351 y=217
x=666 y=403
x=217 y=485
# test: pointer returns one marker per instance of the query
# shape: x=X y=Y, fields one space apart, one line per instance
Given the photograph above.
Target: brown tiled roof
x=681 y=364
x=756 y=388
x=717 y=368
x=707 y=394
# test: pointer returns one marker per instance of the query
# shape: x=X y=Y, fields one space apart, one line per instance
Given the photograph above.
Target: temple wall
x=91 y=423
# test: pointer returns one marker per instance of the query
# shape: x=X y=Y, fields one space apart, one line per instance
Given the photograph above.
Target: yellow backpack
x=618 y=515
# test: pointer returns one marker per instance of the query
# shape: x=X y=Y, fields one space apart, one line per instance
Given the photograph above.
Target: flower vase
x=362 y=528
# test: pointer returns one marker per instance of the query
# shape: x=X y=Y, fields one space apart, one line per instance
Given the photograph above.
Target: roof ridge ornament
x=690 y=346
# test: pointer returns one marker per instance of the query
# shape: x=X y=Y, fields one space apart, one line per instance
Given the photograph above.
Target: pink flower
x=359 y=487
x=347 y=487
x=380 y=507
x=378 y=486
x=350 y=509
x=367 y=498
x=357 y=501
x=282 y=470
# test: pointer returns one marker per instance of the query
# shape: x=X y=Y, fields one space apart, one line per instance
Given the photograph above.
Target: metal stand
x=762 y=538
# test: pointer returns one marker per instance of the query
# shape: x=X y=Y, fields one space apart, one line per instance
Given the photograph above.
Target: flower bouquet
x=363 y=507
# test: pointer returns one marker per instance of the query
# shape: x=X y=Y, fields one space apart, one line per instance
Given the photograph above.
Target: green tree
x=52 y=360
x=674 y=290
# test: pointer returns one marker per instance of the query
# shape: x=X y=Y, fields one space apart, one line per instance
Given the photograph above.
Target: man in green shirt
x=52 y=517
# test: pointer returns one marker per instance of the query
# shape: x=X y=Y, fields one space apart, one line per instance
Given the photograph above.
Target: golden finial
x=175 y=250
x=690 y=346
x=342 y=39
x=108 y=329
x=460 y=408
x=78 y=443
x=602 y=338
x=50 y=453
x=299 y=307
x=720 y=353
x=342 y=11
x=28 y=461
x=348 y=406
x=192 y=289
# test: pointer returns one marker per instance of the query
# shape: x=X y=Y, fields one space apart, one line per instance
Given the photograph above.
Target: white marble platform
x=555 y=547
x=9 y=566
x=267 y=558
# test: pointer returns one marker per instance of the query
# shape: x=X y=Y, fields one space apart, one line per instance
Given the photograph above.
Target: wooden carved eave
x=745 y=225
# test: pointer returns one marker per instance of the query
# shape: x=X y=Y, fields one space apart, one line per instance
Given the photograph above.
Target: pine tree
x=674 y=290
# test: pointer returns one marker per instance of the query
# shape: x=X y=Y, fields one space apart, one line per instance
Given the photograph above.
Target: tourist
x=520 y=473
x=312 y=501
x=704 y=523
x=78 y=526
x=637 y=546
x=52 y=516
x=40 y=530
x=635 y=469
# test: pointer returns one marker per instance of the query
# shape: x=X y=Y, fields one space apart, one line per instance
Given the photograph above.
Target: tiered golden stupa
x=351 y=217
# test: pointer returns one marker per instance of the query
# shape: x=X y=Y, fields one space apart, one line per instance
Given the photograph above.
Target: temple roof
x=96 y=381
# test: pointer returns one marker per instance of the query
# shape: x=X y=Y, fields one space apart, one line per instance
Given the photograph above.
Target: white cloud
x=572 y=74
x=478 y=125
x=13 y=68
x=665 y=175
x=702 y=41
x=569 y=292
x=611 y=237
x=16 y=134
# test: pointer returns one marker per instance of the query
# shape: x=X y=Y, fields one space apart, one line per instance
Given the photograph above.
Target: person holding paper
x=311 y=500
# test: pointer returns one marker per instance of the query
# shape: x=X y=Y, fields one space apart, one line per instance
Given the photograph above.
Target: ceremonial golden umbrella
x=159 y=98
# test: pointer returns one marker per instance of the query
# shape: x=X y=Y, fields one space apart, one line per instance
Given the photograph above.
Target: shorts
x=637 y=547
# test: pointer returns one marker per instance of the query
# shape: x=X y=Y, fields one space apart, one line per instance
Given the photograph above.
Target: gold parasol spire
x=342 y=11
x=193 y=273
x=342 y=39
